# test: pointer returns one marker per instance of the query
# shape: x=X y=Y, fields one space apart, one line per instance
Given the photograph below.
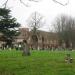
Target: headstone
x=68 y=58
x=26 y=50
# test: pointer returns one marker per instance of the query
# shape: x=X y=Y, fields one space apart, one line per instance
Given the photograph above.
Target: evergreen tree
x=8 y=25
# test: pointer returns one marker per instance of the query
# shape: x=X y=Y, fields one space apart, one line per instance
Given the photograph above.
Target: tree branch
x=34 y=0
x=5 y=4
x=24 y=3
x=61 y=3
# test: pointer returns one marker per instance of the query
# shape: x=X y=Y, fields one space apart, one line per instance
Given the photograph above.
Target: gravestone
x=68 y=58
x=25 y=47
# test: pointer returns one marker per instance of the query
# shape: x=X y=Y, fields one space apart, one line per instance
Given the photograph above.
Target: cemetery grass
x=38 y=63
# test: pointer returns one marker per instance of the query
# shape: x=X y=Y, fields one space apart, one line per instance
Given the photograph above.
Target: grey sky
x=47 y=8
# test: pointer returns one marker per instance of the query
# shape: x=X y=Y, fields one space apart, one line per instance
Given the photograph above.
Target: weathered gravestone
x=25 y=47
x=68 y=58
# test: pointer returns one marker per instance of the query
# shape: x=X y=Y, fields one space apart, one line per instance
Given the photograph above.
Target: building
x=24 y=35
x=45 y=39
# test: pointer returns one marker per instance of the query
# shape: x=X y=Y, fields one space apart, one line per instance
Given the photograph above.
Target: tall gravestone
x=25 y=47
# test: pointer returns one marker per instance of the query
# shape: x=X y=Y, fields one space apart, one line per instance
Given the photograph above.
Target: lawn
x=39 y=63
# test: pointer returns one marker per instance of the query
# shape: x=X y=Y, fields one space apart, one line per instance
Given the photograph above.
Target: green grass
x=39 y=63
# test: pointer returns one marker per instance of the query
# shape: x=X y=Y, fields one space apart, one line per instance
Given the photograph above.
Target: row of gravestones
x=26 y=51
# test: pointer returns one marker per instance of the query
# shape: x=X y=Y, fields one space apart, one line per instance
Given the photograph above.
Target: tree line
x=64 y=26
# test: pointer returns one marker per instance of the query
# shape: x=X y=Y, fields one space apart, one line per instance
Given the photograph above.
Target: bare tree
x=65 y=27
x=35 y=22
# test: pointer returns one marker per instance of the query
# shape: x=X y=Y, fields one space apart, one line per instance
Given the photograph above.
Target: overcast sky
x=47 y=8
